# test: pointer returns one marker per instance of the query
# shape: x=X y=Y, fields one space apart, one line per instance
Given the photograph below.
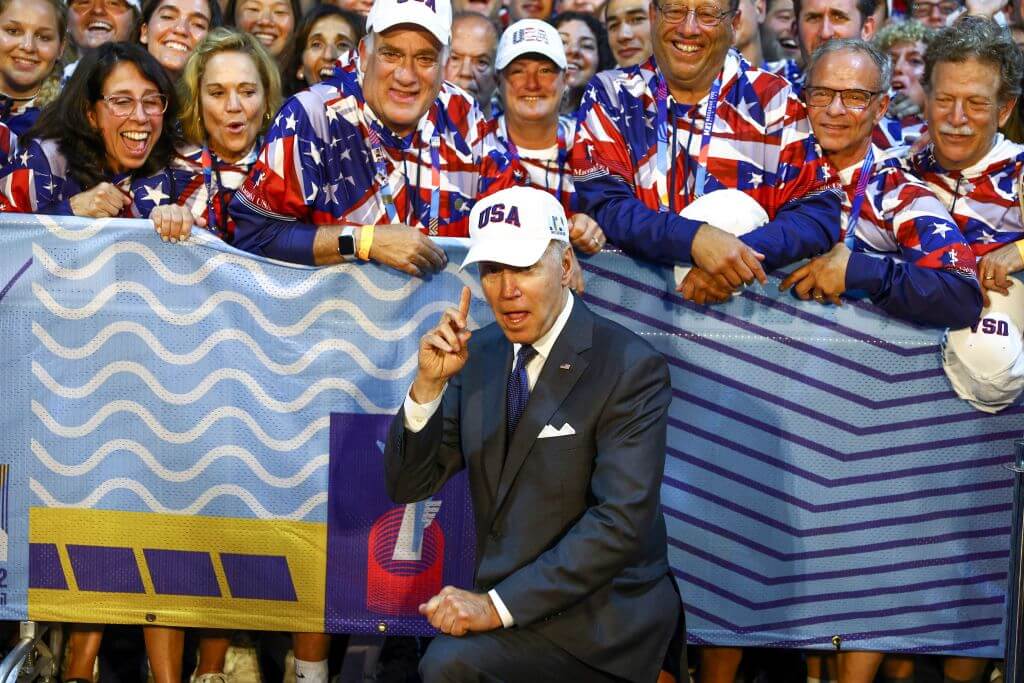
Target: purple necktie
x=518 y=392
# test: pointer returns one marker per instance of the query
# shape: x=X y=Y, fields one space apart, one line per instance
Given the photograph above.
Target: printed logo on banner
x=385 y=559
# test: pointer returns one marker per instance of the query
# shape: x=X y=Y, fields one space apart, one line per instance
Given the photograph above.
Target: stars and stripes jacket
x=908 y=254
x=210 y=198
x=36 y=181
x=317 y=167
x=985 y=199
x=18 y=115
x=761 y=144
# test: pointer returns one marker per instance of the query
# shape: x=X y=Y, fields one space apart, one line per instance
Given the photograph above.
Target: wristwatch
x=347 y=243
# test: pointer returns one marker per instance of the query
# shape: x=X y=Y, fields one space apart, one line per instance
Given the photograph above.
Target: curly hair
x=981 y=39
x=292 y=58
x=189 y=85
x=896 y=32
x=66 y=119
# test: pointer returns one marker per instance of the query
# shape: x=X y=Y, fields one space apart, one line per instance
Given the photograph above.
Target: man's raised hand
x=443 y=351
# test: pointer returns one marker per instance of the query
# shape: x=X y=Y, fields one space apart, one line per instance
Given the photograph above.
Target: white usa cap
x=734 y=211
x=985 y=363
x=530 y=36
x=433 y=15
x=514 y=227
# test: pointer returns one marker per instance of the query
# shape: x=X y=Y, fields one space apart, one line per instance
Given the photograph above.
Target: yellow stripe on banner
x=303 y=545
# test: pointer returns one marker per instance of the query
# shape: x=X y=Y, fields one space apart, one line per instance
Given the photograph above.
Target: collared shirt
x=317 y=167
x=226 y=178
x=908 y=254
x=761 y=143
x=985 y=199
x=418 y=414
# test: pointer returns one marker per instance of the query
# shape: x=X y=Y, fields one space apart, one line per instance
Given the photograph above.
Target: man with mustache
x=972 y=81
x=693 y=119
x=372 y=162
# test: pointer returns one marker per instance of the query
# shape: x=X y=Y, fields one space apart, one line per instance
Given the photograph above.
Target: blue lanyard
x=665 y=157
x=858 y=198
x=381 y=169
x=513 y=152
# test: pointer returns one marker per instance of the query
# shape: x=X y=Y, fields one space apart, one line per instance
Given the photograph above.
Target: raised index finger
x=464 y=304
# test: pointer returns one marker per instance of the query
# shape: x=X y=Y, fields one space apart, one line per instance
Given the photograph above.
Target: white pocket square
x=549 y=431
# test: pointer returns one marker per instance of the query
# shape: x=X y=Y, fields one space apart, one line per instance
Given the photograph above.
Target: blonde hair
x=217 y=41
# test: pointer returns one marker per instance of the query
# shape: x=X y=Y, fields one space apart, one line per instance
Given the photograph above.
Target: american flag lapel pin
x=564 y=366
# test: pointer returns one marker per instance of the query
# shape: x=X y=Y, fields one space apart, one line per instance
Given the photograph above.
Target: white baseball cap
x=985 y=363
x=731 y=210
x=515 y=226
x=433 y=15
x=530 y=36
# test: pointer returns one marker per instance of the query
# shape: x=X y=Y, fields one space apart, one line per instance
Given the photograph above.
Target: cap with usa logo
x=515 y=226
x=530 y=36
x=433 y=15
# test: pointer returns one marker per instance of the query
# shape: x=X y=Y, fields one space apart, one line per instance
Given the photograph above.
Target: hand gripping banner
x=191 y=436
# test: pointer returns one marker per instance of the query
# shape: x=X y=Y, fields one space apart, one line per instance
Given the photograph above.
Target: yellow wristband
x=365 y=242
x=1020 y=248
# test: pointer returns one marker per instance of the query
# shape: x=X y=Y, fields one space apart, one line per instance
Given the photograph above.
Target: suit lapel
x=495 y=368
x=562 y=369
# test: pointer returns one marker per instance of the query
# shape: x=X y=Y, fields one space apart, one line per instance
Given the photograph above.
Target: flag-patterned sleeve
x=28 y=184
x=603 y=175
x=272 y=216
x=933 y=277
x=805 y=199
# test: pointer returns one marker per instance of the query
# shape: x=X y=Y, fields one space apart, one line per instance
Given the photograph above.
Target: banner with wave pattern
x=191 y=436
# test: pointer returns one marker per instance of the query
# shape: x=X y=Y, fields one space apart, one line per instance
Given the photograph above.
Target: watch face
x=346 y=245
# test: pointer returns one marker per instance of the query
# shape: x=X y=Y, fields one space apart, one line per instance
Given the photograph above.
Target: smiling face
x=29 y=46
x=127 y=140
x=233 y=104
x=329 y=38
x=779 y=22
x=964 y=112
x=526 y=301
x=271 y=21
x=92 y=23
x=908 y=70
x=532 y=88
x=403 y=75
x=690 y=55
x=629 y=30
x=580 y=52
x=173 y=30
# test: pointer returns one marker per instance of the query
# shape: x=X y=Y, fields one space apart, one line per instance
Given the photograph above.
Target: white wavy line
x=196 y=507
x=224 y=335
x=183 y=319
x=177 y=476
x=266 y=283
x=204 y=387
x=73 y=235
x=189 y=436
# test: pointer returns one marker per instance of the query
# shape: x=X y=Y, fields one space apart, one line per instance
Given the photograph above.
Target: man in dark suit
x=559 y=416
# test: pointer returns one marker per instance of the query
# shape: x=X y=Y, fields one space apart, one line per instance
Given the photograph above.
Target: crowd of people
x=880 y=140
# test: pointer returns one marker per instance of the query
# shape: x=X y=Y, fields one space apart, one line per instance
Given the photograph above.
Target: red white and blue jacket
x=317 y=167
x=908 y=254
x=984 y=199
x=18 y=115
x=761 y=144
x=208 y=194
x=36 y=181
x=505 y=165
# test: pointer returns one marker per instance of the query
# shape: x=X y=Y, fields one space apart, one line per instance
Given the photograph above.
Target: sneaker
x=210 y=678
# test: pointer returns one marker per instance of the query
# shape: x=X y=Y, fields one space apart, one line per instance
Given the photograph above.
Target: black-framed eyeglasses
x=707 y=16
x=852 y=98
x=123 y=106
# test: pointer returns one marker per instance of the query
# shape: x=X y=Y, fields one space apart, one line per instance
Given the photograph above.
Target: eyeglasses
x=707 y=16
x=122 y=106
x=922 y=9
x=852 y=99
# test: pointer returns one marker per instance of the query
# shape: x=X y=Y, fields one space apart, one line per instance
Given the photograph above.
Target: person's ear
x=883 y=106
x=1005 y=110
x=144 y=34
x=90 y=114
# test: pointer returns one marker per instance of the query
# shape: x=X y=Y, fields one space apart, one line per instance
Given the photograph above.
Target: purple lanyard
x=513 y=152
x=858 y=198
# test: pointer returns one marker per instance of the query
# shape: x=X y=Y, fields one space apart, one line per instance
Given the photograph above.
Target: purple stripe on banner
x=891 y=475
x=842 y=329
x=21 y=271
x=955 y=647
x=766 y=365
x=903 y=449
x=1003 y=508
x=836 y=573
x=832 y=596
x=181 y=572
x=771 y=492
x=863 y=614
x=262 y=577
x=44 y=570
x=836 y=551
x=860 y=368
x=105 y=569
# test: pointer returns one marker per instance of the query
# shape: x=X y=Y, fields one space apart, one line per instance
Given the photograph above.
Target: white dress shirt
x=418 y=414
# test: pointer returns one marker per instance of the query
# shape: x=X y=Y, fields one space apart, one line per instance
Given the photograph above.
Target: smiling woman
x=325 y=33
x=101 y=149
x=32 y=36
x=170 y=29
x=271 y=21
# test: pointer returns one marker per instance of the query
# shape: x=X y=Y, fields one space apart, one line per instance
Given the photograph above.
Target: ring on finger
x=990 y=277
